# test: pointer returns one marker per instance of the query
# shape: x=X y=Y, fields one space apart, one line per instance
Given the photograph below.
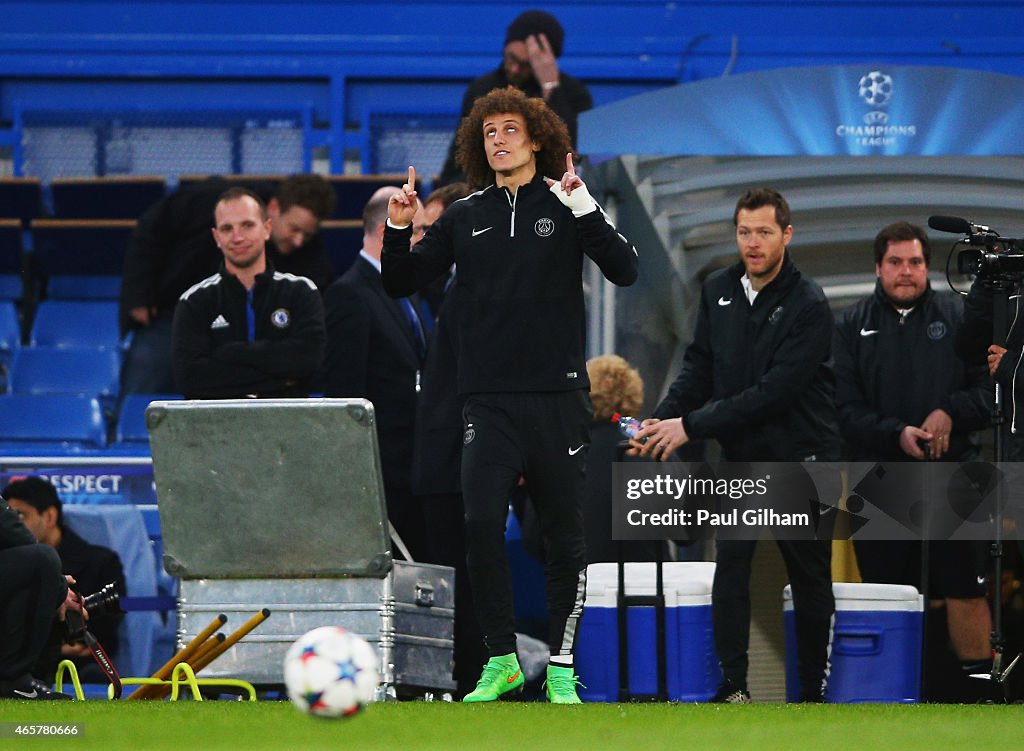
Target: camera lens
x=106 y=600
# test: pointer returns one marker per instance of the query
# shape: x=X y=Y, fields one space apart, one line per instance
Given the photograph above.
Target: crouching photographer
x=32 y=592
x=98 y=575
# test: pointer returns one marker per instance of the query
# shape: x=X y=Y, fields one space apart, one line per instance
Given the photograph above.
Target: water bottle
x=629 y=426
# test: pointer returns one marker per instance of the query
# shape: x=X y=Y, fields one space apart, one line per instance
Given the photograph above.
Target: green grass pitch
x=521 y=726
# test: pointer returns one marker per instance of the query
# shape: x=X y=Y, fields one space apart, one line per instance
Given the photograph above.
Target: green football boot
x=560 y=685
x=501 y=675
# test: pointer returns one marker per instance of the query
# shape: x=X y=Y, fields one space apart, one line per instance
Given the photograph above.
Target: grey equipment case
x=279 y=503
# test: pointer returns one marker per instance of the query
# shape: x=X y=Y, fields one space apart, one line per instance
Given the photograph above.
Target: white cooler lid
x=866 y=596
x=686 y=583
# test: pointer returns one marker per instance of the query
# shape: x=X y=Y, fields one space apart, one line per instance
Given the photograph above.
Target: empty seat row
x=128 y=196
x=64 y=424
x=91 y=371
x=61 y=323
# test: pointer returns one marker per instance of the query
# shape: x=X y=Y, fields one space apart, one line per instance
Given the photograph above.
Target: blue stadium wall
x=331 y=65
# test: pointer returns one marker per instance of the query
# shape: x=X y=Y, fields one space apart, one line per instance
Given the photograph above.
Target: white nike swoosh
x=27 y=695
x=481 y=231
x=723 y=301
x=868 y=332
x=981 y=581
x=573 y=452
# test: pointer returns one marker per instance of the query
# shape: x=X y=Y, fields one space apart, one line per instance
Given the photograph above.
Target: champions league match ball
x=330 y=672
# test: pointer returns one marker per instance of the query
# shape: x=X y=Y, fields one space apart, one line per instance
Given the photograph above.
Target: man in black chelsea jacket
x=518 y=247
x=247 y=330
x=758 y=378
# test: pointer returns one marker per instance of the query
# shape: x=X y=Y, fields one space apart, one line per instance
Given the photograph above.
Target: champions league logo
x=877 y=90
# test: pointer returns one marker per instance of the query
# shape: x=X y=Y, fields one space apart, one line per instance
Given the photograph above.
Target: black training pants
x=31 y=590
x=542 y=437
x=808 y=564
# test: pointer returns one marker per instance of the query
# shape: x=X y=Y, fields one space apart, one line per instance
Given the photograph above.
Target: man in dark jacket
x=533 y=44
x=375 y=350
x=32 y=592
x=518 y=247
x=91 y=566
x=248 y=330
x=903 y=394
x=758 y=378
x=172 y=249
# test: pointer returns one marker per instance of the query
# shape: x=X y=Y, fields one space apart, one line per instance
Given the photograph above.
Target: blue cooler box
x=876 y=644
x=692 y=672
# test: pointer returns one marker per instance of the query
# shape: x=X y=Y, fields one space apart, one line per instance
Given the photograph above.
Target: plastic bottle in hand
x=629 y=426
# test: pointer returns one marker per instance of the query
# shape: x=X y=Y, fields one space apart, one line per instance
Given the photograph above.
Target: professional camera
x=991 y=257
x=106 y=600
x=999 y=261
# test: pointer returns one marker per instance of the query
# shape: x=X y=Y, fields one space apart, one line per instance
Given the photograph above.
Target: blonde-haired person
x=615 y=386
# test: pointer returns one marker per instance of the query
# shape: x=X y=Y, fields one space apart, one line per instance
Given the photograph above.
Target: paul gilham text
x=762 y=517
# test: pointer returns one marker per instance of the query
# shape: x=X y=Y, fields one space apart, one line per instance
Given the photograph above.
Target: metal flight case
x=279 y=503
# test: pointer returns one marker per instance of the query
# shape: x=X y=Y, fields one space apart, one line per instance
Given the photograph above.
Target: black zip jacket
x=520 y=322
x=213 y=358
x=893 y=371
x=758 y=378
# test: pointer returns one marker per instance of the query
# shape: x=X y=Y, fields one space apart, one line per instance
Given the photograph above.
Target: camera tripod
x=999 y=675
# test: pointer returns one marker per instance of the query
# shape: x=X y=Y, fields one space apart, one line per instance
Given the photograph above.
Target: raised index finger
x=412 y=177
x=568 y=164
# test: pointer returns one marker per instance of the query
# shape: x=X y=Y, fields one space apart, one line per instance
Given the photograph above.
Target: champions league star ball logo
x=876 y=88
x=877 y=128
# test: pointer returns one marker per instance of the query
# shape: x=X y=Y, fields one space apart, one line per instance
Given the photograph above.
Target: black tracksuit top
x=893 y=370
x=521 y=325
x=213 y=358
x=758 y=378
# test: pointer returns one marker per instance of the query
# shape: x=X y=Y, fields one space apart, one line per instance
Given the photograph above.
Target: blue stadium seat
x=66 y=370
x=10 y=339
x=122 y=529
x=131 y=419
x=76 y=323
x=51 y=423
x=98 y=287
x=121 y=197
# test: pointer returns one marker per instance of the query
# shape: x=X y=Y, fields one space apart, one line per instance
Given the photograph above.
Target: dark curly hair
x=543 y=126
x=311 y=192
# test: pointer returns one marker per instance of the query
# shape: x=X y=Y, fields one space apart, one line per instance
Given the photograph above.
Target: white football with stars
x=331 y=672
